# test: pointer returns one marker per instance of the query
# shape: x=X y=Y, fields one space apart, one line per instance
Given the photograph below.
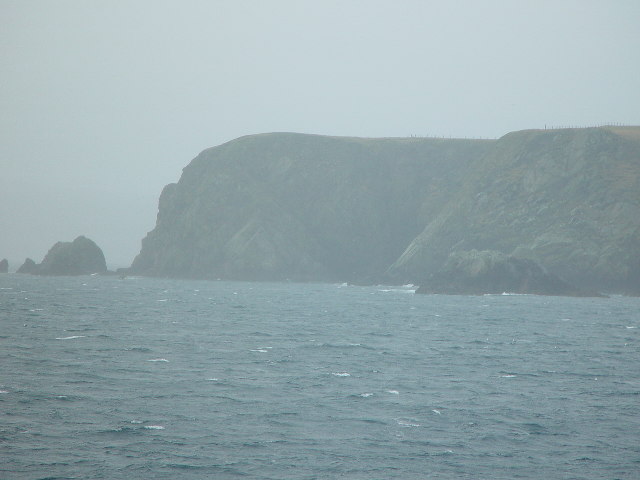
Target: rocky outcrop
x=309 y=207
x=29 y=266
x=490 y=272
x=4 y=265
x=80 y=257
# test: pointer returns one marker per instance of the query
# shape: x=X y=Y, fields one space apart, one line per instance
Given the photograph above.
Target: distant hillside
x=308 y=207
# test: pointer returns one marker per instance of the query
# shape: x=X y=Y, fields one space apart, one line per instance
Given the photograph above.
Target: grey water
x=133 y=378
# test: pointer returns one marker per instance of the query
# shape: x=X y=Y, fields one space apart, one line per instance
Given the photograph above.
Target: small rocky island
x=80 y=257
x=490 y=272
x=4 y=266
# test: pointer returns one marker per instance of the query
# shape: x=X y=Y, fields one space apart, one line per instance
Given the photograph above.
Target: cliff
x=80 y=257
x=309 y=207
x=568 y=199
x=302 y=207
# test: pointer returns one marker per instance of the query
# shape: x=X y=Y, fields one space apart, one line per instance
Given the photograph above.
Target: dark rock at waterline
x=4 y=266
x=489 y=272
x=80 y=257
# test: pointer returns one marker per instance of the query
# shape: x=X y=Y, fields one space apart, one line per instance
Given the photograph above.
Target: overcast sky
x=103 y=102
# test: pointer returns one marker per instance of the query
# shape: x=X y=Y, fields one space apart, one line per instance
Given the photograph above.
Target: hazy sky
x=103 y=102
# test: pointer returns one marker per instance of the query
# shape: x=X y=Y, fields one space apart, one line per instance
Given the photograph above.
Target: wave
x=407 y=423
x=138 y=349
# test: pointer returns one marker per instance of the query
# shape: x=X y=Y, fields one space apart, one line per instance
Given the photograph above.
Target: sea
x=141 y=378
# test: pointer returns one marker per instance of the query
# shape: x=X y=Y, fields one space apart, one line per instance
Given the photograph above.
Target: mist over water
x=148 y=378
x=103 y=103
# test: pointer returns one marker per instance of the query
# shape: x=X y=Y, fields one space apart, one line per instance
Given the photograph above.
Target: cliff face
x=302 y=207
x=307 y=207
x=568 y=199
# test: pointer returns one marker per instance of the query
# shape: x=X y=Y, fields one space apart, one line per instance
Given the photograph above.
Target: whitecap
x=154 y=427
x=157 y=360
x=631 y=326
x=136 y=421
x=405 y=423
x=260 y=350
x=340 y=374
x=398 y=290
x=507 y=376
x=71 y=337
x=162 y=300
x=4 y=391
x=393 y=392
x=437 y=412
x=365 y=395
x=212 y=379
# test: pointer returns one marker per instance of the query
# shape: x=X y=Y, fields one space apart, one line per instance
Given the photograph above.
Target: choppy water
x=143 y=378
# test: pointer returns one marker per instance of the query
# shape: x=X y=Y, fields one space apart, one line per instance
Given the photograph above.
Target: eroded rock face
x=489 y=272
x=302 y=207
x=80 y=257
x=567 y=199
x=4 y=265
x=309 y=207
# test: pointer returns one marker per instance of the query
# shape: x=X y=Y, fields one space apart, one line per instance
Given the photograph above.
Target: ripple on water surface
x=154 y=378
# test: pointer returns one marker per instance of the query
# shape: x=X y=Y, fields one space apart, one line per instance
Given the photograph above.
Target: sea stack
x=80 y=257
x=28 y=267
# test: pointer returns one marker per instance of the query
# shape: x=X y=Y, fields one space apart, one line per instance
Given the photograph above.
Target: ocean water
x=165 y=379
